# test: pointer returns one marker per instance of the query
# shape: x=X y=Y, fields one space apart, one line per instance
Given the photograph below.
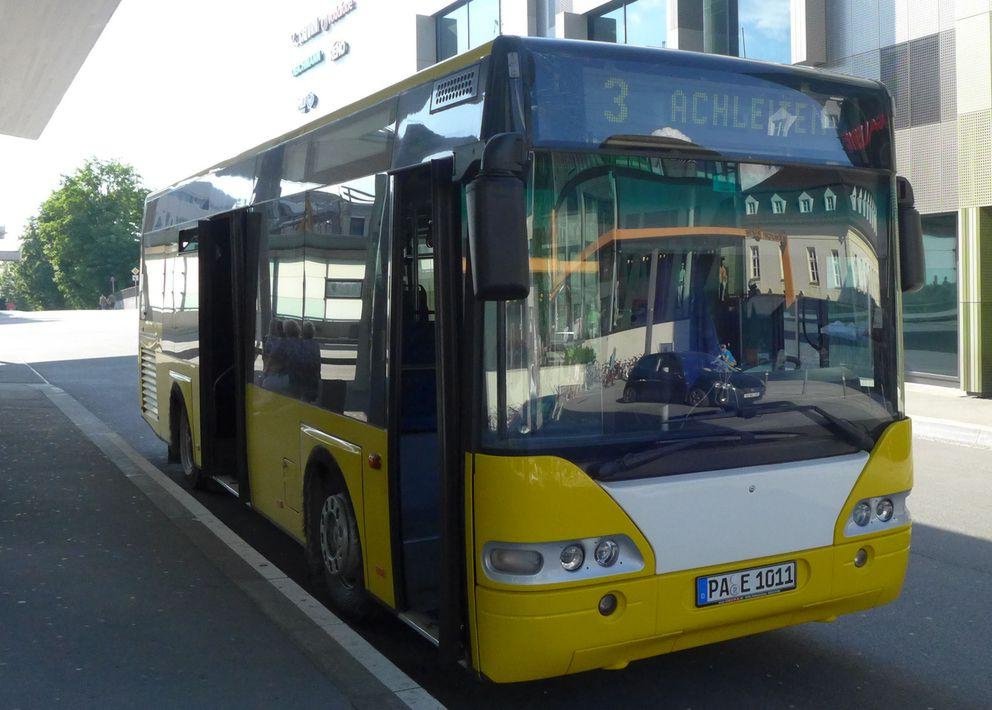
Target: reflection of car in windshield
x=691 y=377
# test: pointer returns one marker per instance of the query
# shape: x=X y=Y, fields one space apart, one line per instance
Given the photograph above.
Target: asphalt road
x=930 y=649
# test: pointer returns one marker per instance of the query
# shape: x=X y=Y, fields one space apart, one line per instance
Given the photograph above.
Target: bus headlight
x=532 y=563
x=878 y=514
x=862 y=513
x=572 y=557
x=510 y=561
x=606 y=553
x=884 y=510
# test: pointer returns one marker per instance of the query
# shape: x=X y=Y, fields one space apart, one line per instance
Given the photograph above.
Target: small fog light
x=607 y=552
x=572 y=557
x=860 y=557
x=608 y=604
x=862 y=513
x=517 y=561
x=884 y=510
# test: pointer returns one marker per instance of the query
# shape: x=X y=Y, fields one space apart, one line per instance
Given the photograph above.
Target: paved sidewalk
x=947 y=414
x=117 y=592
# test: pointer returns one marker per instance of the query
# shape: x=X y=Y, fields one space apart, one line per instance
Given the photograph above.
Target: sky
x=175 y=87
x=766 y=29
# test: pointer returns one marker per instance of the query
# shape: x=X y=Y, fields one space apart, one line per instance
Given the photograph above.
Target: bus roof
x=393 y=127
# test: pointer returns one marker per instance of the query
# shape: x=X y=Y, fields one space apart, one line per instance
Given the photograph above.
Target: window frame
x=812 y=266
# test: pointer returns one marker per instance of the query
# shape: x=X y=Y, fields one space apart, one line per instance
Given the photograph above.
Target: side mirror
x=497 y=221
x=912 y=261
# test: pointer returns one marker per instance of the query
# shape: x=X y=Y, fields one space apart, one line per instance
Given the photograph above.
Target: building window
x=814 y=270
x=835 y=268
x=765 y=30
x=465 y=26
x=829 y=200
x=640 y=22
x=778 y=205
x=751 y=205
x=930 y=315
x=805 y=203
x=755 y=264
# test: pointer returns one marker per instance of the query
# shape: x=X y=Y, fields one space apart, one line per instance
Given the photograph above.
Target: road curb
x=952 y=432
x=153 y=483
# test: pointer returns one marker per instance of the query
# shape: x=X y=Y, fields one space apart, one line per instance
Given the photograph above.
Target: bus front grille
x=149 y=387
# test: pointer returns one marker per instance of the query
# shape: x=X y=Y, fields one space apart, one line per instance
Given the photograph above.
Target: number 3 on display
x=620 y=100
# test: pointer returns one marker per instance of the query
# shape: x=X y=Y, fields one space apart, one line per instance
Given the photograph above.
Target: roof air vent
x=455 y=89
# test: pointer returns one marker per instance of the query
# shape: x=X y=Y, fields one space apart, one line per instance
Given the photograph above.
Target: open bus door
x=427 y=440
x=224 y=347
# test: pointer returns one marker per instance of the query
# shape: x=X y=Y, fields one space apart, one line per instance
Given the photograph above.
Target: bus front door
x=426 y=438
x=221 y=360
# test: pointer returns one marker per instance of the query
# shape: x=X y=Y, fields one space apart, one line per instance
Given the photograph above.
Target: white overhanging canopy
x=43 y=43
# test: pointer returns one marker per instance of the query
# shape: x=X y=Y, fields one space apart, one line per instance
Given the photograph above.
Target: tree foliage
x=85 y=233
x=30 y=283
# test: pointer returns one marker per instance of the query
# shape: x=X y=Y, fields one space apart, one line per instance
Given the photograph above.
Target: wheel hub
x=336 y=540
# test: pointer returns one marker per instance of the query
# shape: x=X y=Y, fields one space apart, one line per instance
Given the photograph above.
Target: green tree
x=30 y=282
x=88 y=229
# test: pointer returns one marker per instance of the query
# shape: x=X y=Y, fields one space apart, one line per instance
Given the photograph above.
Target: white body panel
x=716 y=517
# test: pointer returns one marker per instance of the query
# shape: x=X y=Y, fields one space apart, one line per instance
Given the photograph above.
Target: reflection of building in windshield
x=772 y=271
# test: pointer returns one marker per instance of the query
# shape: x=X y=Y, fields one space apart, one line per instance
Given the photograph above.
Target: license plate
x=751 y=395
x=745 y=584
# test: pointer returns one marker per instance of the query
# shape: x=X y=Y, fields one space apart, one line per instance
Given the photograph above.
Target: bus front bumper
x=525 y=635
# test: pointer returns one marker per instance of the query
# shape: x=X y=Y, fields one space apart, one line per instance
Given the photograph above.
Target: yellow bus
x=570 y=354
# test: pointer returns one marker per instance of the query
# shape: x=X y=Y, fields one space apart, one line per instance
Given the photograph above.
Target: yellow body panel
x=283 y=433
x=165 y=381
x=524 y=633
x=543 y=498
x=889 y=470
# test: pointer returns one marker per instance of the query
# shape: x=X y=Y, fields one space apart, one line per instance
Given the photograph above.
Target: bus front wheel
x=192 y=473
x=334 y=528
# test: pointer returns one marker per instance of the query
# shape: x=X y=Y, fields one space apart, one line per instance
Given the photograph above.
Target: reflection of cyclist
x=726 y=355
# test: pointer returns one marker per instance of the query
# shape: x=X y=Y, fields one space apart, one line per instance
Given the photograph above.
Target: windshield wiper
x=611 y=469
x=848 y=431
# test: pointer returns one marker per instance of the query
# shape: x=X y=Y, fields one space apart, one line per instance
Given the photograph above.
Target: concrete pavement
x=949 y=415
x=118 y=589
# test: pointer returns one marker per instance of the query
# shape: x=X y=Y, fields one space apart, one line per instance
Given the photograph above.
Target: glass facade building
x=466 y=25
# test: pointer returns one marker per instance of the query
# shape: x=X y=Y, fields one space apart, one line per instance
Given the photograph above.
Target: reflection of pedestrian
x=111 y=302
x=275 y=373
x=310 y=376
x=291 y=354
x=724 y=279
x=726 y=355
x=103 y=302
x=681 y=293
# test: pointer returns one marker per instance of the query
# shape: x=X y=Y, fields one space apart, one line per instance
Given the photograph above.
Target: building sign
x=308 y=103
x=338 y=50
x=309 y=63
x=321 y=24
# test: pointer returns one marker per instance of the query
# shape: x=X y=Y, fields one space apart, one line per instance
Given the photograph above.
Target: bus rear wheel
x=334 y=529
x=192 y=473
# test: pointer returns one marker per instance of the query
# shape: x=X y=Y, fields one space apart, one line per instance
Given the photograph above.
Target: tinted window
x=321 y=293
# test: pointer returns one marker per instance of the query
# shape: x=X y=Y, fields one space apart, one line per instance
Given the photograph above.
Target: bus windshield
x=676 y=301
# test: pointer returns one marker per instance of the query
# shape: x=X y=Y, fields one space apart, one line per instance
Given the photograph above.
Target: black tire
x=335 y=550
x=695 y=397
x=630 y=394
x=192 y=474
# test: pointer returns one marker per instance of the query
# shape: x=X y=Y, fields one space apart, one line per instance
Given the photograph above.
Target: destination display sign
x=733 y=114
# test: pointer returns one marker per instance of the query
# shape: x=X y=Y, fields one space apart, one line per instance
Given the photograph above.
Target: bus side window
x=318 y=301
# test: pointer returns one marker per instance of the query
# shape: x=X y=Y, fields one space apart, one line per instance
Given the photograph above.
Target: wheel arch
x=323 y=472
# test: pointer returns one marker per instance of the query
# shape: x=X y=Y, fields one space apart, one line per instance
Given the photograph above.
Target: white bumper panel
x=717 y=517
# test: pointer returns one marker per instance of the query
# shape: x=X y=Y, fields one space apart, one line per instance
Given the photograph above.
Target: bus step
x=228 y=483
x=423 y=624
